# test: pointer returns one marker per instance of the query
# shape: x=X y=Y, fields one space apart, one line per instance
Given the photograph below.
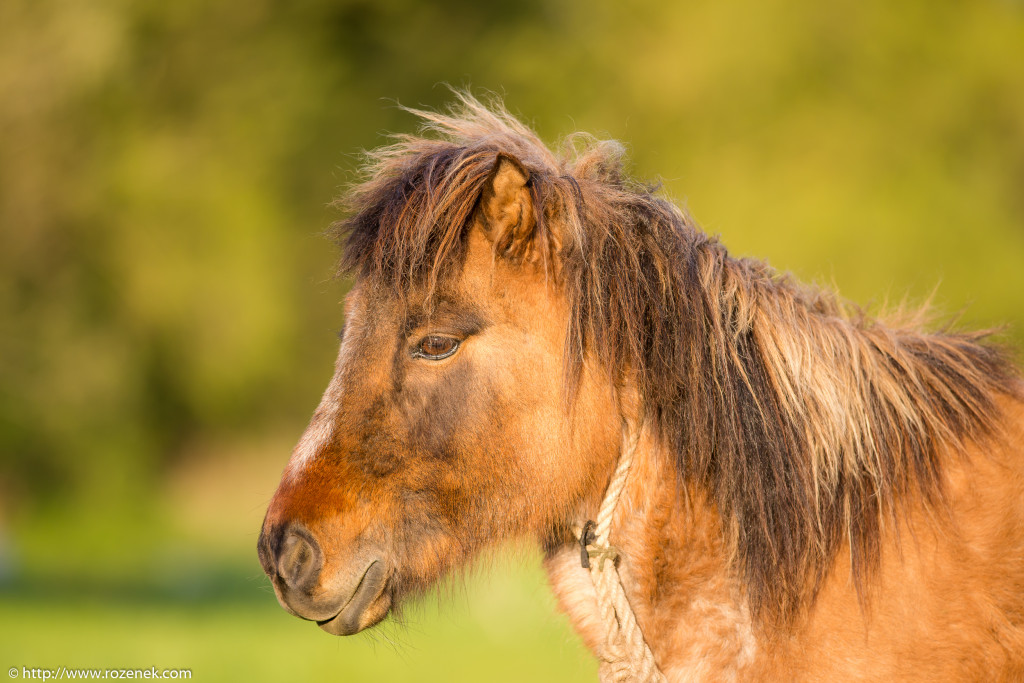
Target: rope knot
x=601 y=554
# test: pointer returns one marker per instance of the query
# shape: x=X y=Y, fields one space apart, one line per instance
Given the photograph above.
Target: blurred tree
x=165 y=167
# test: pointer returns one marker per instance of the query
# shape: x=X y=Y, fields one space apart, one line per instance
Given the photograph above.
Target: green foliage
x=165 y=171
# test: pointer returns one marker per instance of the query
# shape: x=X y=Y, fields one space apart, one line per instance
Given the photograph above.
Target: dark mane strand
x=807 y=421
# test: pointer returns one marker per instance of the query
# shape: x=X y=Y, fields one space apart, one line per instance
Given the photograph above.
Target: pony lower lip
x=372 y=586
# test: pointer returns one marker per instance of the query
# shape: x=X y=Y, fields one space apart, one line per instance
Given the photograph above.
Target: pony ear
x=506 y=207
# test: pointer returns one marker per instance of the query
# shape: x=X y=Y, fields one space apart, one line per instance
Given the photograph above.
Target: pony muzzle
x=342 y=604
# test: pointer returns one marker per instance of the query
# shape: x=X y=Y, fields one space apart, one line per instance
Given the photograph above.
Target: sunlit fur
x=816 y=494
x=805 y=420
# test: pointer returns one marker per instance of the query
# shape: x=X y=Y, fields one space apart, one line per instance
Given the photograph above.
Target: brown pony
x=815 y=494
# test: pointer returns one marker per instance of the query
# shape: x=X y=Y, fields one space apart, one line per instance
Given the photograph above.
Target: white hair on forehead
x=320 y=432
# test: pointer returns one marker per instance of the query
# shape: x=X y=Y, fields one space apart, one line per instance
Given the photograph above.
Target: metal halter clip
x=586 y=538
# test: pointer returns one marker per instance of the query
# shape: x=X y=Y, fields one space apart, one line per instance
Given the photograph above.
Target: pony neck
x=674 y=567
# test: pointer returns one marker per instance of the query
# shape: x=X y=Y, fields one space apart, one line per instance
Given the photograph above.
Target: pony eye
x=435 y=347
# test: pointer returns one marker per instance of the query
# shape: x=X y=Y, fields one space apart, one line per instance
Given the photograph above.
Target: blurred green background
x=168 y=309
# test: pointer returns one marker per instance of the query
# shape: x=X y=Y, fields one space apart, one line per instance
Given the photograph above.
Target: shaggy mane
x=807 y=421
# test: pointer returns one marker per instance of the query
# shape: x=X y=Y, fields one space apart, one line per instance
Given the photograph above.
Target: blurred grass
x=250 y=643
x=229 y=628
x=168 y=318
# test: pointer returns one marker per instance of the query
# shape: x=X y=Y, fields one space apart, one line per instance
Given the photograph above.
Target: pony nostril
x=299 y=560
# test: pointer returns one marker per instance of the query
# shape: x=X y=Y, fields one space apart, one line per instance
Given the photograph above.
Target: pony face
x=445 y=429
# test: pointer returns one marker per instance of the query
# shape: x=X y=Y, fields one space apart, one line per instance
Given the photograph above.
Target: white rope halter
x=626 y=655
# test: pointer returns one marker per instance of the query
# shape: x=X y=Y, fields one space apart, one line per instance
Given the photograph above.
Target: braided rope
x=626 y=655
